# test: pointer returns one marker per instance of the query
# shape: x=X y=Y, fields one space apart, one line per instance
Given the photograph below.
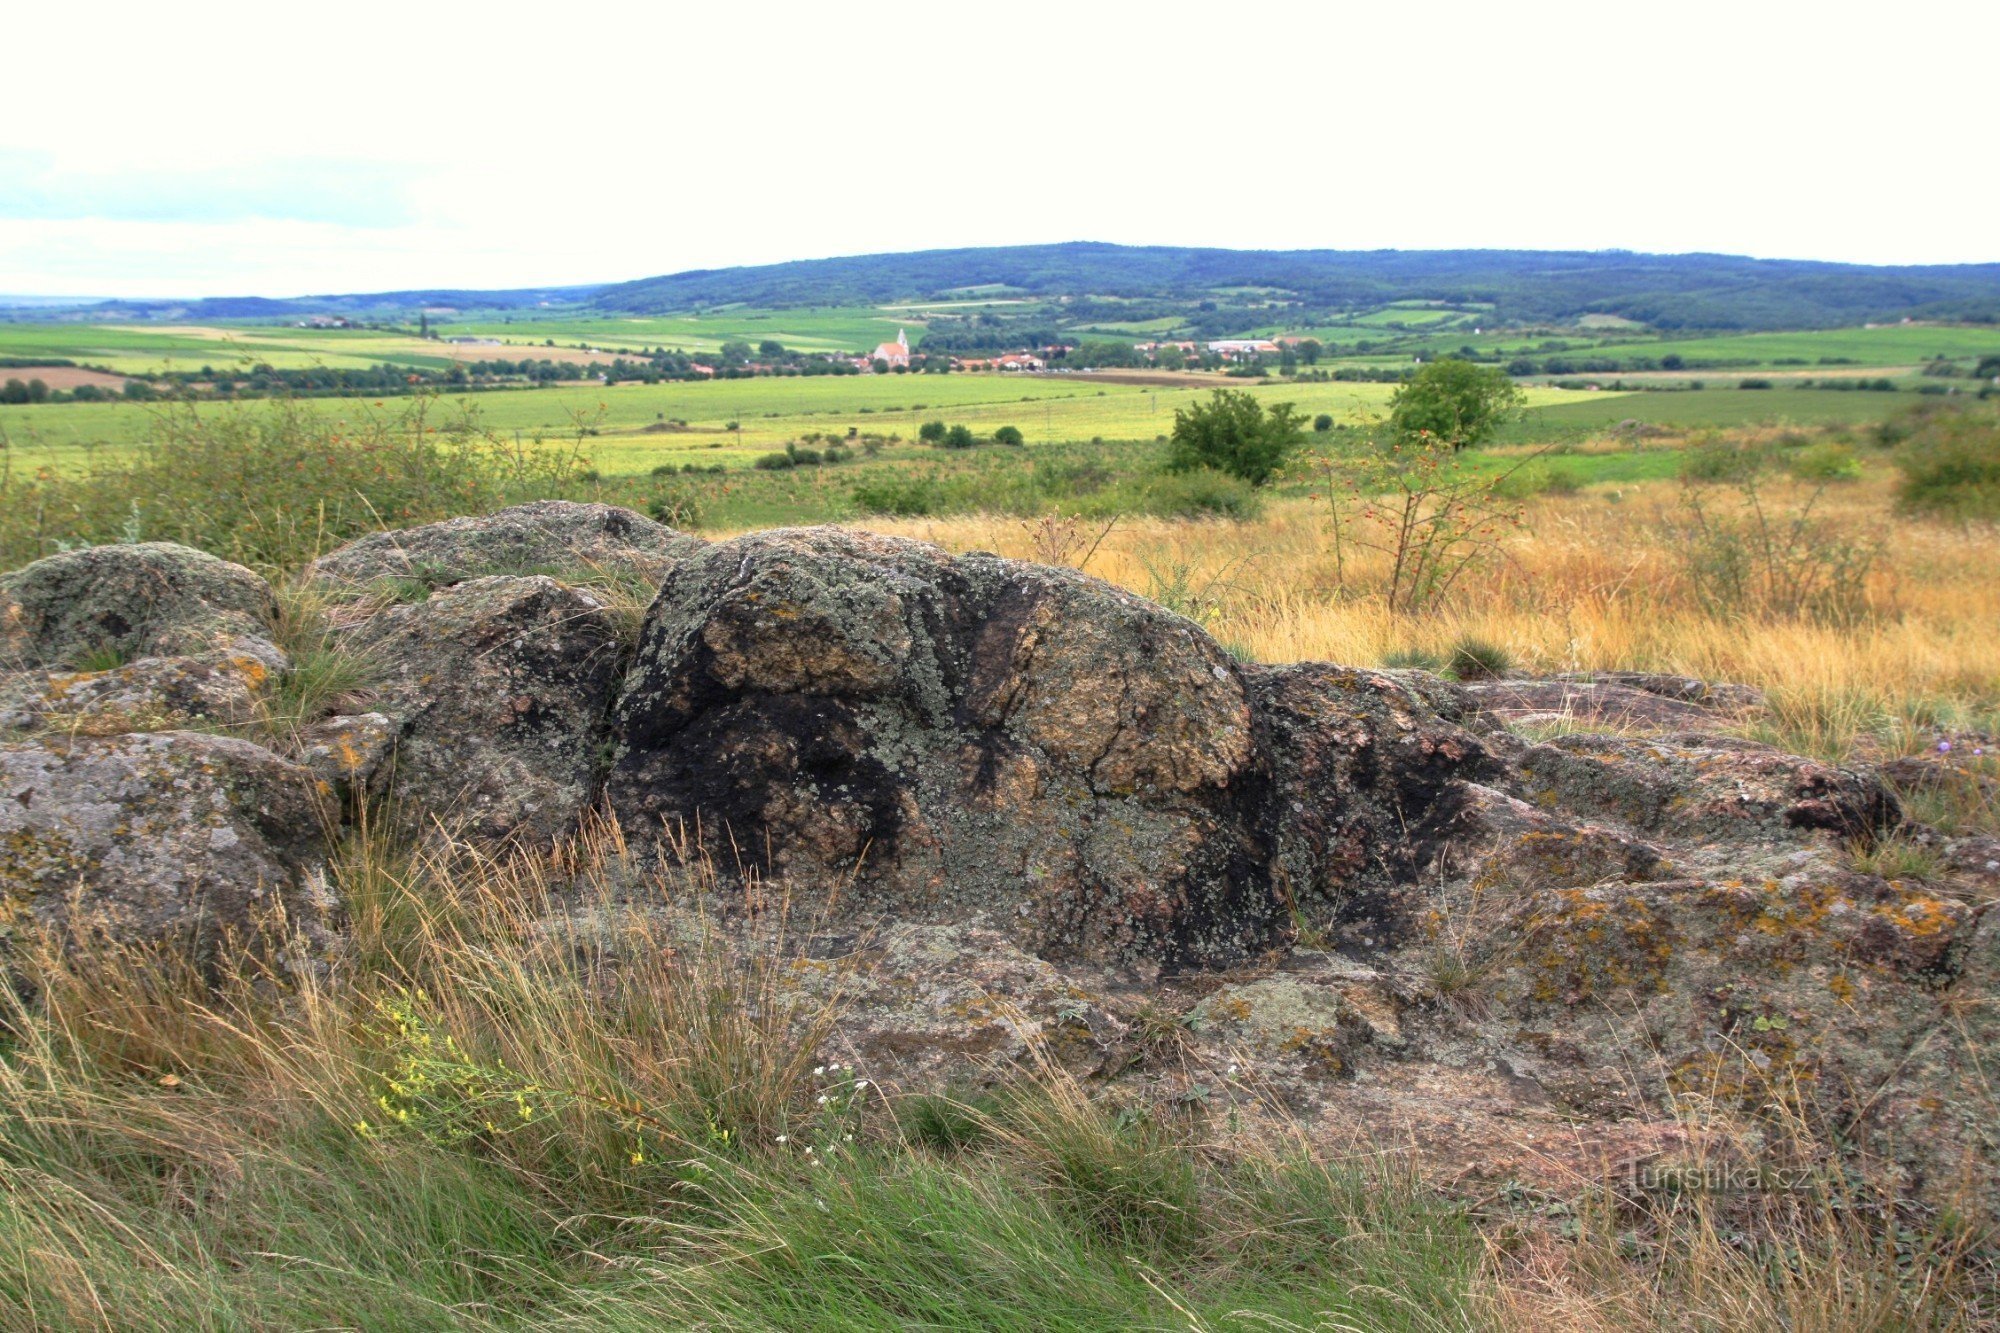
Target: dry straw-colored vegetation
x=1601 y=580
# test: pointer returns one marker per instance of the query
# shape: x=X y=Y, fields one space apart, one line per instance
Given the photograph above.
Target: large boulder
x=152 y=599
x=169 y=837
x=497 y=691
x=968 y=737
x=557 y=537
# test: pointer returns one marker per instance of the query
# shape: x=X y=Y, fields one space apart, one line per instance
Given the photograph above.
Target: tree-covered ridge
x=1667 y=291
x=1697 y=291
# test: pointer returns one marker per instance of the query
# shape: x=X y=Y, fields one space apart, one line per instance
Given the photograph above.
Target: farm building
x=1235 y=349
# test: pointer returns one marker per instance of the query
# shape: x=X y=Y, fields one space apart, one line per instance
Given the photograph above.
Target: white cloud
x=377 y=146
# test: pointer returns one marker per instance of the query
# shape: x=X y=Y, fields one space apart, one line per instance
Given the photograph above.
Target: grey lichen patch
x=163 y=836
x=582 y=541
x=151 y=599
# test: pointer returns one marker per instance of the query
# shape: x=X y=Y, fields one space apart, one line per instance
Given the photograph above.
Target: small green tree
x=931 y=432
x=1454 y=401
x=1323 y=422
x=959 y=437
x=1234 y=433
x=1009 y=435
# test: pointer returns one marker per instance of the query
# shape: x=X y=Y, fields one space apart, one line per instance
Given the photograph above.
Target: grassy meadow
x=637 y=427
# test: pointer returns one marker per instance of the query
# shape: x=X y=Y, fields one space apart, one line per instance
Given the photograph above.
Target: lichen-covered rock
x=1608 y=703
x=350 y=752
x=931 y=736
x=1502 y=843
x=937 y=1006
x=151 y=599
x=163 y=837
x=219 y=689
x=1365 y=773
x=1705 y=787
x=556 y=537
x=498 y=689
x=1290 y=1020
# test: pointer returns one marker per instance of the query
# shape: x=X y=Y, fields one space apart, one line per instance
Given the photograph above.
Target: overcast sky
x=277 y=149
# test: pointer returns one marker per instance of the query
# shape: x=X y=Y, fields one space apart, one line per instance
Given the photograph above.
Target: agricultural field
x=633 y=428
x=159 y=349
x=828 y=329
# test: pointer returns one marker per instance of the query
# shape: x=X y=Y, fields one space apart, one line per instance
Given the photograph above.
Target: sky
x=269 y=149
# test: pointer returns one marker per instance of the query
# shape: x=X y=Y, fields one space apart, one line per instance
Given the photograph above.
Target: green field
x=70 y=437
x=148 y=351
x=826 y=329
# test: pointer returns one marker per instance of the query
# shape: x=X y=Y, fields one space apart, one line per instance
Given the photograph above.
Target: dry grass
x=1594 y=583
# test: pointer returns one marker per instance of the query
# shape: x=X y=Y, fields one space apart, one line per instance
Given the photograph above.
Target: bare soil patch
x=63 y=377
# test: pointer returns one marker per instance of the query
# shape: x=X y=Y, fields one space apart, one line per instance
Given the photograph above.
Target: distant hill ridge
x=1688 y=291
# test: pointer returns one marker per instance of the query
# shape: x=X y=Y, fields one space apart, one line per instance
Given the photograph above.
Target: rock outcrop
x=1022 y=808
x=498 y=690
x=939 y=738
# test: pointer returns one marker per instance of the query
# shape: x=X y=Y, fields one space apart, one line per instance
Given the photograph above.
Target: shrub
x=1008 y=435
x=912 y=497
x=1454 y=401
x=778 y=462
x=931 y=432
x=274 y=484
x=1201 y=493
x=959 y=437
x=1721 y=460
x=1951 y=466
x=1825 y=462
x=1323 y=423
x=1233 y=433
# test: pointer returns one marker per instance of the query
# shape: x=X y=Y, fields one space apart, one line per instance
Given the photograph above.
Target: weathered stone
x=1593 y=703
x=1716 y=695
x=1286 y=1018
x=556 y=537
x=152 y=694
x=499 y=689
x=172 y=837
x=1364 y=775
x=1502 y=843
x=1705 y=787
x=152 y=599
x=936 y=736
x=349 y=752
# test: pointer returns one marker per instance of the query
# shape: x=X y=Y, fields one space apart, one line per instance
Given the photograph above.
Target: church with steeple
x=896 y=353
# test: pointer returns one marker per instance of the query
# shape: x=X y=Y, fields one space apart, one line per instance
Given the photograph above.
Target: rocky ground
x=1537 y=928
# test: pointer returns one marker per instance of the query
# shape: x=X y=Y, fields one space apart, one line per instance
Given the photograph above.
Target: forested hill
x=1521 y=286
x=1666 y=291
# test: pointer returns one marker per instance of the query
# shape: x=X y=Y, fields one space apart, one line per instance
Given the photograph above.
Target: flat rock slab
x=1599 y=703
